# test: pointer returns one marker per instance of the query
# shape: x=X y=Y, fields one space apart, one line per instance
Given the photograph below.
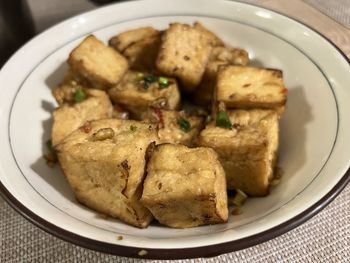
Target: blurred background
x=20 y=20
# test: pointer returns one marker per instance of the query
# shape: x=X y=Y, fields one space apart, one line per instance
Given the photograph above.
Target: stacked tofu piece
x=166 y=162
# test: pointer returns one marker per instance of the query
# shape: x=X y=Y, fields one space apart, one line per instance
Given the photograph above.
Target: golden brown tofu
x=101 y=65
x=220 y=56
x=70 y=117
x=175 y=127
x=185 y=187
x=64 y=92
x=214 y=39
x=184 y=54
x=123 y=40
x=248 y=87
x=142 y=55
x=104 y=163
x=233 y=56
x=138 y=91
x=204 y=93
x=248 y=150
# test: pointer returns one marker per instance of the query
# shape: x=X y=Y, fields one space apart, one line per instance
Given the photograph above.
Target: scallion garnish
x=223 y=121
x=239 y=198
x=184 y=124
x=163 y=82
x=79 y=95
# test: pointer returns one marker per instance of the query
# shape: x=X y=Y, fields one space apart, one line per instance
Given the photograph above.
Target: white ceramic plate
x=314 y=150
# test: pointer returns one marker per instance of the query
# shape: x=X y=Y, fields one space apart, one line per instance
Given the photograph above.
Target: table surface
x=324 y=238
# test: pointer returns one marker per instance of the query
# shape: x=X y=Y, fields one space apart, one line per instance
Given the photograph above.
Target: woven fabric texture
x=324 y=239
x=339 y=10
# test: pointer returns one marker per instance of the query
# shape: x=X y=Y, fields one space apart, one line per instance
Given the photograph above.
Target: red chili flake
x=284 y=91
x=159 y=116
x=86 y=127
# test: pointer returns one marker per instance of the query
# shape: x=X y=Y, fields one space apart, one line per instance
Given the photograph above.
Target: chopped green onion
x=140 y=76
x=79 y=96
x=223 y=121
x=239 y=198
x=208 y=119
x=163 y=82
x=184 y=124
x=133 y=128
x=150 y=79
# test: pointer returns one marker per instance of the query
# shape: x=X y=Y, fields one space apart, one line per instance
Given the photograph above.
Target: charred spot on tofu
x=248 y=87
x=248 y=150
x=138 y=91
x=184 y=53
x=185 y=187
x=101 y=65
x=175 y=126
x=68 y=118
x=107 y=175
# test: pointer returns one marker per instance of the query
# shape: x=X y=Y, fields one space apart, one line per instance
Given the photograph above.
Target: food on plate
x=138 y=91
x=89 y=104
x=220 y=56
x=183 y=54
x=139 y=46
x=176 y=127
x=185 y=187
x=133 y=142
x=104 y=162
x=249 y=87
x=98 y=63
x=246 y=142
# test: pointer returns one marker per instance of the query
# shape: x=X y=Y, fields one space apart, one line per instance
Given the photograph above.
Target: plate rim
x=192 y=252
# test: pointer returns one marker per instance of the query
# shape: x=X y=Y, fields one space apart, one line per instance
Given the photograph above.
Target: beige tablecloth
x=324 y=238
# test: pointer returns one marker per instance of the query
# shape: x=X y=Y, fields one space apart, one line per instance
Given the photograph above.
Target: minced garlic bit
x=103 y=134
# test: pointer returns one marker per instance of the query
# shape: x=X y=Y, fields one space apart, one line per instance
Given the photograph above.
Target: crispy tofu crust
x=132 y=95
x=185 y=187
x=214 y=39
x=68 y=118
x=101 y=65
x=127 y=38
x=220 y=56
x=248 y=87
x=184 y=53
x=233 y=56
x=169 y=129
x=106 y=172
x=142 y=55
x=247 y=151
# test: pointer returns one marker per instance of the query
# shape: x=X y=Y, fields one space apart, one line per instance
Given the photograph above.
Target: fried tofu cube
x=248 y=87
x=220 y=56
x=138 y=91
x=175 y=127
x=123 y=40
x=248 y=150
x=143 y=54
x=214 y=39
x=185 y=187
x=101 y=65
x=139 y=46
x=204 y=93
x=184 y=54
x=104 y=163
x=70 y=117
